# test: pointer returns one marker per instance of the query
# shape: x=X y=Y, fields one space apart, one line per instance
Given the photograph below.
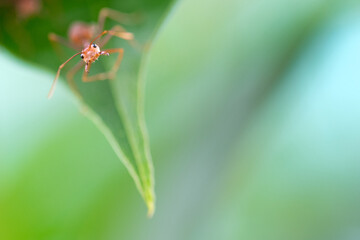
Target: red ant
x=81 y=36
x=28 y=8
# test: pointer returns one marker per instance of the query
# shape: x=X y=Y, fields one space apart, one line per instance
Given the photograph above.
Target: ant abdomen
x=81 y=33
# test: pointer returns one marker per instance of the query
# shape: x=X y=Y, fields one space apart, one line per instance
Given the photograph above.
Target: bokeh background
x=253 y=113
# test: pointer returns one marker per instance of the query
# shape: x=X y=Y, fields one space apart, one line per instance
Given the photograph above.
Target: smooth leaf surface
x=115 y=106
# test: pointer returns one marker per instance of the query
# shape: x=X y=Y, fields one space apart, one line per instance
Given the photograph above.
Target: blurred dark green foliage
x=28 y=38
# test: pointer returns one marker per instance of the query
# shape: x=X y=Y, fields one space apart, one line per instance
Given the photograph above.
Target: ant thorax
x=91 y=53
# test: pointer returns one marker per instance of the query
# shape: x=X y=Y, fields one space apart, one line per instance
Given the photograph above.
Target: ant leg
x=55 y=40
x=116 y=65
x=97 y=77
x=70 y=78
x=114 y=15
x=129 y=37
x=60 y=40
x=51 y=92
x=107 y=75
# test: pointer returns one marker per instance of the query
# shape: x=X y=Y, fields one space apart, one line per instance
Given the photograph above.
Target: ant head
x=91 y=53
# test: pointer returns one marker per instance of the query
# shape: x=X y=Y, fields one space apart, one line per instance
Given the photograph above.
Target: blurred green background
x=253 y=116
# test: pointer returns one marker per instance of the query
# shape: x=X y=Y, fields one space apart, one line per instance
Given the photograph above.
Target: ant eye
x=82 y=56
x=94 y=45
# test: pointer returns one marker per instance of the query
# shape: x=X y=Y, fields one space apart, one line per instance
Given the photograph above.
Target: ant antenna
x=51 y=92
x=124 y=35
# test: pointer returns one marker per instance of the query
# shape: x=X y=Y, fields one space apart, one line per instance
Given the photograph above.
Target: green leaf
x=116 y=106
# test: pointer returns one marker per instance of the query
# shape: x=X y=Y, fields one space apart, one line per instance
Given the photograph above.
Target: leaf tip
x=150 y=202
x=151 y=209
